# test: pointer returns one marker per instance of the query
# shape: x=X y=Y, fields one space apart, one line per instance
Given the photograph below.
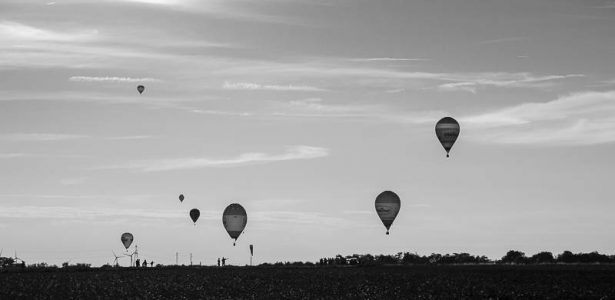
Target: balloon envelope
x=447 y=131
x=140 y=89
x=194 y=214
x=234 y=220
x=127 y=239
x=387 y=207
x=181 y=198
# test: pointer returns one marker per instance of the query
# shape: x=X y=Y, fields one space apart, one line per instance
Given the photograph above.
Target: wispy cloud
x=14 y=31
x=459 y=86
x=67 y=212
x=160 y=2
x=52 y=137
x=385 y=59
x=502 y=40
x=111 y=79
x=130 y=137
x=268 y=87
x=585 y=118
x=251 y=158
x=520 y=80
x=13 y=155
x=342 y=75
x=41 y=137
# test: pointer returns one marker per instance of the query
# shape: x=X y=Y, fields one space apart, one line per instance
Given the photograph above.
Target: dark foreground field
x=418 y=282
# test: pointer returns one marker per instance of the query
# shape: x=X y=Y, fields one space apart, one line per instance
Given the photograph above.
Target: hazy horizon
x=303 y=112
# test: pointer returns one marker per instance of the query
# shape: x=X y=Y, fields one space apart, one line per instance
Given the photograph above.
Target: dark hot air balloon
x=387 y=207
x=234 y=220
x=127 y=239
x=447 y=131
x=140 y=89
x=194 y=215
x=181 y=198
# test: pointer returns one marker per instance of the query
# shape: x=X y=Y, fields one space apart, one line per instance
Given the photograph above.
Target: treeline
x=401 y=258
x=511 y=257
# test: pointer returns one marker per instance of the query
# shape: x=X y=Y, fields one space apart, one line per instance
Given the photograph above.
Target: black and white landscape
x=280 y=123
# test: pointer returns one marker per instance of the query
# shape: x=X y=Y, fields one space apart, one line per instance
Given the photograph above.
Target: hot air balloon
x=387 y=207
x=194 y=215
x=127 y=239
x=140 y=89
x=234 y=219
x=181 y=198
x=447 y=131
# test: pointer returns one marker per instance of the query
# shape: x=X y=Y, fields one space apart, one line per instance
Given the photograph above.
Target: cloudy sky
x=303 y=112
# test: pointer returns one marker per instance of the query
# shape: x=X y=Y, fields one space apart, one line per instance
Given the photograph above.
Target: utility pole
x=136 y=252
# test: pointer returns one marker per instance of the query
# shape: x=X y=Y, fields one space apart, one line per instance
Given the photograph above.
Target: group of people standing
x=223 y=261
x=144 y=265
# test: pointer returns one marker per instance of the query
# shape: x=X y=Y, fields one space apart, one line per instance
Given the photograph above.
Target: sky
x=303 y=112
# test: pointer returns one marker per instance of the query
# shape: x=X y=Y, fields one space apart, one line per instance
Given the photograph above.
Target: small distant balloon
x=140 y=88
x=234 y=220
x=181 y=198
x=447 y=131
x=127 y=239
x=387 y=207
x=194 y=215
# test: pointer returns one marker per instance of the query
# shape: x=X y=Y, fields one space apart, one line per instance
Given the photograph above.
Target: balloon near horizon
x=127 y=239
x=234 y=220
x=387 y=206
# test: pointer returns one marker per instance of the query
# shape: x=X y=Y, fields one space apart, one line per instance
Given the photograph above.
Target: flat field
x=383 y=282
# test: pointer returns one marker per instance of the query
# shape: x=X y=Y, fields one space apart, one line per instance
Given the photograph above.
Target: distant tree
x=483 y=259
x=340 y=260
x=6 y=261
x=413 y=259
x=366 y=260
x=566 y=257
x=386 y=259
x=514 y=257
x=38 y=265
x=542 y=258
x=593 y=257
x=434 y=258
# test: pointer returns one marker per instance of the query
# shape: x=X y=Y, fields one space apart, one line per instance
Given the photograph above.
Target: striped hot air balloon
x=387 y=207
x=447 y=131
x=234 y=220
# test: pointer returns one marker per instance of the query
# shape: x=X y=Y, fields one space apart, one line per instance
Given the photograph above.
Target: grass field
x=388 y=282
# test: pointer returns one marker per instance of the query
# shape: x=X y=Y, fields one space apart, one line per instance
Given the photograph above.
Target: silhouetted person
x=151 y=263
x=145 y=263
x=218 y=261
x=224 y=261
x=138 y=263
